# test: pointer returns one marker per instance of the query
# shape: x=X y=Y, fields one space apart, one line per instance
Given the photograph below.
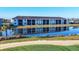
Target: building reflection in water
x=26 y=31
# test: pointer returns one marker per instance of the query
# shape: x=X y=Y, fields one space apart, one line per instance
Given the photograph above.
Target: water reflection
x=39 y=31
x=53 y=31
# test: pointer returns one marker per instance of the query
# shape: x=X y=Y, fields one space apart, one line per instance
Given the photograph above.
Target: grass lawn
x=40 y=38
x=43 y=47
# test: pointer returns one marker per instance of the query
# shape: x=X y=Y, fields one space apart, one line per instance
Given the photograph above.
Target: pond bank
x=52 y=42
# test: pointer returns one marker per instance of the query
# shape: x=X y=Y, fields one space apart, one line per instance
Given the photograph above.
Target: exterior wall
x=24 y=22
x=62 y=21
x=67 y=21
x=0 y=22
x=52 y=21
x=0 y=33
x=38 y=21
x=15 y=22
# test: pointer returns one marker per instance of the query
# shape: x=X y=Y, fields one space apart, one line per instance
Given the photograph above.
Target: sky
x=67 y=12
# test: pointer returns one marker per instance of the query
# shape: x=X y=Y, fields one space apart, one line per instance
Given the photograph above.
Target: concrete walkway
x=52 y=42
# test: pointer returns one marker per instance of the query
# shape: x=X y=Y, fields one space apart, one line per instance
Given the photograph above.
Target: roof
x=37 y=17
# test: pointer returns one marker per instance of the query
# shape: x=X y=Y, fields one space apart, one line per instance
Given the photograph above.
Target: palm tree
x=7 y=26
x=11 y=26
x=4 y=28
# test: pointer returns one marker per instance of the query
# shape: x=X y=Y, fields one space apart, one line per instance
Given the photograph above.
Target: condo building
x=0 y=26
x=1 y=21
x=38 y=20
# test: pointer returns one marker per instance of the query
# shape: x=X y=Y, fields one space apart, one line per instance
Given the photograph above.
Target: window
x=14 y=20
x=20 y=22
x=28 y=22
x=24 y=23
x=14 y=23
x=33 y=22
x=45 y=22
x=58 y=21
x=64 y=21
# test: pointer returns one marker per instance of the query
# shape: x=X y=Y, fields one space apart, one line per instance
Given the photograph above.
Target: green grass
x=43 y=47
x=40 y=38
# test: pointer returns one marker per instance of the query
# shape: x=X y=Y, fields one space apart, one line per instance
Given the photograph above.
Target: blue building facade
x=38 y=20
x=1 y=21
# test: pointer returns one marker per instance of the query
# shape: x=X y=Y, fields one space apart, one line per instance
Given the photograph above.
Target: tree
x=11 y=26
x=7 y=26
x=4 y=27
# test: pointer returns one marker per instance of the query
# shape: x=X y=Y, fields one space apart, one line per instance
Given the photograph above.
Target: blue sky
x=68 y=12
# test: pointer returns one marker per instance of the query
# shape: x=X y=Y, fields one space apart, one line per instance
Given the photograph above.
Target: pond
x=68 y=32
x=61 y=31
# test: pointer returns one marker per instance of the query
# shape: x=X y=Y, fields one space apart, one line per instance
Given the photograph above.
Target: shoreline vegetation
x=42 y=47
x=56 y=25
x=21 y=39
